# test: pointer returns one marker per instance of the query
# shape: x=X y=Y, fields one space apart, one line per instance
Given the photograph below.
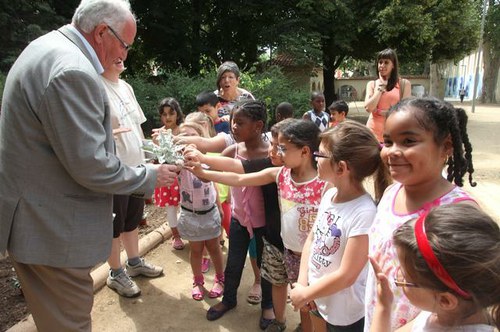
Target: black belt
x=198 y=212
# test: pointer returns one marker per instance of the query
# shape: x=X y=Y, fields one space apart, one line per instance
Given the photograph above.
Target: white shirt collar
x=90 y=49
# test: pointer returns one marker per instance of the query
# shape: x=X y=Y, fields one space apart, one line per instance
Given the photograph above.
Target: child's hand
x=384 y=293
x=191 y=153
x=224 y=118
x=298 y=297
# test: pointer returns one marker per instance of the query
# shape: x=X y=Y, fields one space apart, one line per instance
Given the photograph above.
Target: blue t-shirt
x=222 y=127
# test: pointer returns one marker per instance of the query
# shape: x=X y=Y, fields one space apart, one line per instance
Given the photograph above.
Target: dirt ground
x=142 y=314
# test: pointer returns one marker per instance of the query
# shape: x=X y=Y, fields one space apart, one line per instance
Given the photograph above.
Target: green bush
x=270 y=86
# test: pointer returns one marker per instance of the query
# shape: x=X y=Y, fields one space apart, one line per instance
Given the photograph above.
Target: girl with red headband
x=421 y=137
x=449 y=267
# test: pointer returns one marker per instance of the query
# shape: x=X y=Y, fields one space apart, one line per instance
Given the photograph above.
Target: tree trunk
x=491 y=62
x=437 y=83
x=196 y=41
x=331 y=61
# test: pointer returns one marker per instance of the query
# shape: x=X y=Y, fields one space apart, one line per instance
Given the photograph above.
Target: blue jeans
x=236 y=257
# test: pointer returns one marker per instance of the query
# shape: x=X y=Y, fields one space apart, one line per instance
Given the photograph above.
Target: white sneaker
x=123 y=285
x=145 y=269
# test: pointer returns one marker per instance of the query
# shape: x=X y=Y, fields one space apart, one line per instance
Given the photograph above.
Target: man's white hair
x=90 y=13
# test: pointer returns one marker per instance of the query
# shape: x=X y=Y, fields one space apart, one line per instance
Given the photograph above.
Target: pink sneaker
x=205 y=265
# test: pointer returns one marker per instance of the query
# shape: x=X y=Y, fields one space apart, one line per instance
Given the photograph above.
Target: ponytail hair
x=355 y=144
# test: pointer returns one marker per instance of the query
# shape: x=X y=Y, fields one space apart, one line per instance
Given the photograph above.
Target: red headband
x=431 y=259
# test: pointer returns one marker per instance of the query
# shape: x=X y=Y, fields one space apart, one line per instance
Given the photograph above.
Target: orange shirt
x=376 y=120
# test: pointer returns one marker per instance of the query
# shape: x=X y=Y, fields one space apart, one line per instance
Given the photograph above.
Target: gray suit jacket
x=57 y=167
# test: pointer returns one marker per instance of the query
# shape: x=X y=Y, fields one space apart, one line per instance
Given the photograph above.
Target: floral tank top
x=299 y=203
x=386 y=221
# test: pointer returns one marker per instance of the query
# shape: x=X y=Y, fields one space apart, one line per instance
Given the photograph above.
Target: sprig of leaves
x=166 y=151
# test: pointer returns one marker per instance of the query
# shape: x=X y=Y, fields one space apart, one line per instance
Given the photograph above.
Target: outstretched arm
x=261 y=178
x=212 y=144
x=218 y=163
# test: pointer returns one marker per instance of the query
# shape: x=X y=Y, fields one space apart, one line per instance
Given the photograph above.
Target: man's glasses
x=124 y=44
x=400 y=281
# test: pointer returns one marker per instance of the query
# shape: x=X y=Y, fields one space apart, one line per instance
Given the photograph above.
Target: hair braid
x=462 y=123
x=457 y=161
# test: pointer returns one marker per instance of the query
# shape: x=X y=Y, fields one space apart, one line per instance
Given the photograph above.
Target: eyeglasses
x=318 y=154
x=399 y=280
x=124 y=44
x=281 y=149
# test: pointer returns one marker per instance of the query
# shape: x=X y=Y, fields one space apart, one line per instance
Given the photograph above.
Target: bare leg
x=280 y=294
x=318 y=323
x=130 y=242
x=195 y=254
x=305 y=321
x=215 y=251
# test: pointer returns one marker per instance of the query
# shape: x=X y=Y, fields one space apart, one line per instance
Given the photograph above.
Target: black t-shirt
x=271 y=204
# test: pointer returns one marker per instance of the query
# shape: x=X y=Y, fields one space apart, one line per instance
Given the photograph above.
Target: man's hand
x=166 y=175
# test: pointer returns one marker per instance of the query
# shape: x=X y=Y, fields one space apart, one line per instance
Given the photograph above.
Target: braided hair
x=255 y=110
x=443 y=120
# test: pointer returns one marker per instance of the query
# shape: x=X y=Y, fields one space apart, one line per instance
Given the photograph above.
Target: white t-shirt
x=335 y=224
x=423 y=324
x=126 y=112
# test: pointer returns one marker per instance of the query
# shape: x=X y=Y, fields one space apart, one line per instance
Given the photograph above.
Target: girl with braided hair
x=421 y=136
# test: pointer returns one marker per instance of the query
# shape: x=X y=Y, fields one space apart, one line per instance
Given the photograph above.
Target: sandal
x=218 y=287
x=254 y=294
x=177 y=243
x=197 y=293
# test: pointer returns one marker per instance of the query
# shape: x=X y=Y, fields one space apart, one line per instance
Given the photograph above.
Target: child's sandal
x=198 y=290
x=218 y=287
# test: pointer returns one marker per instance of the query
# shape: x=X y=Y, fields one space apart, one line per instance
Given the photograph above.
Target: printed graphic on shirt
x=327 y=240
x=299 y=204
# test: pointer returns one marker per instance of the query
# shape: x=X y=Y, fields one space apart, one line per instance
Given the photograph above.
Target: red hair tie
x=430 y=258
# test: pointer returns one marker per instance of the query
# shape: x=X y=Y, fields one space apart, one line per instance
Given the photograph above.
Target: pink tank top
x=247 y=204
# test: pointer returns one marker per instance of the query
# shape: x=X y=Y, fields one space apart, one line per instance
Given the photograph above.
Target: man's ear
x=447 y=301
x=99 y=32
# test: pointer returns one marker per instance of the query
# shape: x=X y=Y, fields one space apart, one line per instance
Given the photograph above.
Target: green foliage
x=270 y=86
x=273 y=87
x=429 y=30
x=492 y=26
x=21 y=21
x=406 y=26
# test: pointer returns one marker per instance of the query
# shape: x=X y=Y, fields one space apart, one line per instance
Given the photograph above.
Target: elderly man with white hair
x=58 y=170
